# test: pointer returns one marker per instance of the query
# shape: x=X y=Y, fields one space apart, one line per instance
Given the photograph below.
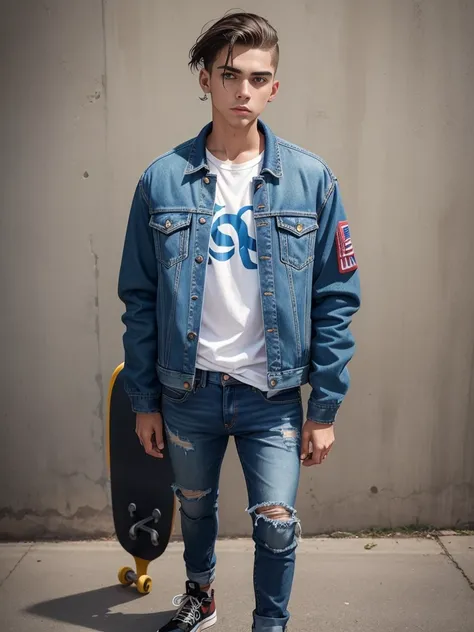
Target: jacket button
x=259 y=186
x=299 y=227
x=168 y=223
x=194 y=298
x=206 y=180
x=187 y=386
x=199 y=259
x=202 y=220
x=191 y=335
x=273 y=383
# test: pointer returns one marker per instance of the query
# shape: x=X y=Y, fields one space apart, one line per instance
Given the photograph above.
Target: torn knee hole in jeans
x=280 y=516
x=274 y=512
x=190 y=494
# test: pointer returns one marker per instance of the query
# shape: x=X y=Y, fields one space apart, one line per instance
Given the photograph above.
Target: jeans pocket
x=287 y=396
x=175 y=395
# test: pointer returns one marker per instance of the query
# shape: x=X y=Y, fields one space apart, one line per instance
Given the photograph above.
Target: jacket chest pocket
x=297 y=238
x=171 y=235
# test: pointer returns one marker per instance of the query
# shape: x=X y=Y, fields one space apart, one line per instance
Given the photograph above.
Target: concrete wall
x=91 y=92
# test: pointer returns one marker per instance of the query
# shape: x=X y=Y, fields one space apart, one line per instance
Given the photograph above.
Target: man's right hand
x=149 y=428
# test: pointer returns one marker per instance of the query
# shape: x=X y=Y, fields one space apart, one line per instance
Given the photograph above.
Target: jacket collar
x=271 y=159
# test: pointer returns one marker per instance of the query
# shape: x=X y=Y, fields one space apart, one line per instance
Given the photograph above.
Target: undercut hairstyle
x=233 y=29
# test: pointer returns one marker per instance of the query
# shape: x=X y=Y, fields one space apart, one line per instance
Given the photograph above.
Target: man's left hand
x=316 y=442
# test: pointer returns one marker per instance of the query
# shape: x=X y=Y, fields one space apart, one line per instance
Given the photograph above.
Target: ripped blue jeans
x=267 y=435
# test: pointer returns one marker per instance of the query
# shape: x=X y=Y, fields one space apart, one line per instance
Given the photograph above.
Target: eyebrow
x=236 y=71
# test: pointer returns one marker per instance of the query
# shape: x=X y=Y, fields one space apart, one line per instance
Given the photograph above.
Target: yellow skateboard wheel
x=122 y=576
x=144 y=584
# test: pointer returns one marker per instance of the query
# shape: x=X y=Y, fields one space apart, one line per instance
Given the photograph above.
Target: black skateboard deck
x=143 y=502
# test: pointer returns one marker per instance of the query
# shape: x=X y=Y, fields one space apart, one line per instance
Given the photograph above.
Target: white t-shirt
x=232 y=337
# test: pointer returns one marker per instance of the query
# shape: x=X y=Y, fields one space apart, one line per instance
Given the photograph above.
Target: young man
x=240 y=282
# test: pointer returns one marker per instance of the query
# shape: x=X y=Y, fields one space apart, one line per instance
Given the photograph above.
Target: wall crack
x=98 y=378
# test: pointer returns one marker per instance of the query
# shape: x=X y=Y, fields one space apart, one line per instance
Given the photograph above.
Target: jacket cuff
x=142 y=404
x=322 y=414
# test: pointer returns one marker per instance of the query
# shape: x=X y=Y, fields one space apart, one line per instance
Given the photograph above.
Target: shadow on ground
x=92 y=610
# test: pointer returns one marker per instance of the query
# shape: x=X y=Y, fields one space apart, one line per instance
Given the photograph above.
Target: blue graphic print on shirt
x=246 y=243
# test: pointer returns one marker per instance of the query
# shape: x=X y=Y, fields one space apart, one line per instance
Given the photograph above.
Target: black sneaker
x=196 y=611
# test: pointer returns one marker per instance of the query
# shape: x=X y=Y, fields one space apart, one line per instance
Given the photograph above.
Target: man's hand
x=316 y=442
x=149 y=428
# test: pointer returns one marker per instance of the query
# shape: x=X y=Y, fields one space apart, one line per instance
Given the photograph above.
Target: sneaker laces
x=189 y=607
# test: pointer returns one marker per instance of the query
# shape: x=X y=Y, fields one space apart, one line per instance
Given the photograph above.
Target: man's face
x=247 y=87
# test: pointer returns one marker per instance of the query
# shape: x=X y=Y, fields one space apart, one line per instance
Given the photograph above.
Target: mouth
x=240 y=108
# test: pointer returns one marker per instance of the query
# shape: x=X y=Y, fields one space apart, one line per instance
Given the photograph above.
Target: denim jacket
x=307 y=302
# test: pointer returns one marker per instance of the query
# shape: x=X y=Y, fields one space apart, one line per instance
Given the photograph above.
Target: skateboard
x=143 y=502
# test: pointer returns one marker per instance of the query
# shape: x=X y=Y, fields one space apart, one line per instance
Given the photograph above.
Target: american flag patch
x=345 y=251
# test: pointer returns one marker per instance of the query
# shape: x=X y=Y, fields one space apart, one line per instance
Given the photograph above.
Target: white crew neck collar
x=230 y=166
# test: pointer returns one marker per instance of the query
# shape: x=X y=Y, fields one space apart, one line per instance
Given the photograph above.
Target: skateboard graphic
x=143 y=502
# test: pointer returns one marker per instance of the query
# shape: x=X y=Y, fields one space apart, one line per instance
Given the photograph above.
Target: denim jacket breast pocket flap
x=297 y=237
x=171 y=232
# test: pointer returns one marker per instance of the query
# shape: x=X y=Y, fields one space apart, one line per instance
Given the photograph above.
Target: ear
x=275 y=88
x=205 y=81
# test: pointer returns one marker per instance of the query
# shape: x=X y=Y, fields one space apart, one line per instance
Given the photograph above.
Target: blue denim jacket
x=307 y=303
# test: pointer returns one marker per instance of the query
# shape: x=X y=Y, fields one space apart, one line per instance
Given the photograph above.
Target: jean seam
x=211 y=570
x=177 y=401
x=257 y=593
x=326 y=406
x=172 y=311
x=234 y=416
x=295 y=313
x=134 y=393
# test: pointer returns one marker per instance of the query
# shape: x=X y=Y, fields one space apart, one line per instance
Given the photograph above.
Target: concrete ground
x=340 y=586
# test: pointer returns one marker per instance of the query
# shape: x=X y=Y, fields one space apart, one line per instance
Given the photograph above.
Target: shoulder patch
x=345 y=251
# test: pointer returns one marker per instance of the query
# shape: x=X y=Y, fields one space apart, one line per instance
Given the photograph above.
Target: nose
x=244 y=90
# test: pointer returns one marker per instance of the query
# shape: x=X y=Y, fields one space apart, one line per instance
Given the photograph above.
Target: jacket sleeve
x=137 y=288
x=335 y=299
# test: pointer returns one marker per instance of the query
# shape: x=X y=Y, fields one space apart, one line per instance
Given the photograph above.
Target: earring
x=204 y=98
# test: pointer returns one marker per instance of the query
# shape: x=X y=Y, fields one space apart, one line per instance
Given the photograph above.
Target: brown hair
x=234 y=28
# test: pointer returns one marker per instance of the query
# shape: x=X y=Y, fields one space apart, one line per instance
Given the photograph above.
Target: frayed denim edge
x=279 y=523
x=178 y=490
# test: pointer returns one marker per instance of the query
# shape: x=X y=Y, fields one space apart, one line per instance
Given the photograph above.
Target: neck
x=235 y=145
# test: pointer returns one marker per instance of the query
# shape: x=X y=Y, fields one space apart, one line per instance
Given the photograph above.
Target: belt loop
x=197 y=380
x=203 y=383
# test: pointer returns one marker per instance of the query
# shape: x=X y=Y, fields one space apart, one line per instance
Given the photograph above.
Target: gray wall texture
x=384 y=90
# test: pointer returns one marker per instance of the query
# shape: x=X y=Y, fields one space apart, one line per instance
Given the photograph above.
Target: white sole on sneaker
x=207 y=623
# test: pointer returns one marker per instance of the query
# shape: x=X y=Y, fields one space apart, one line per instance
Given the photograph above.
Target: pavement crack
x=16 y=565
x=450 y=557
